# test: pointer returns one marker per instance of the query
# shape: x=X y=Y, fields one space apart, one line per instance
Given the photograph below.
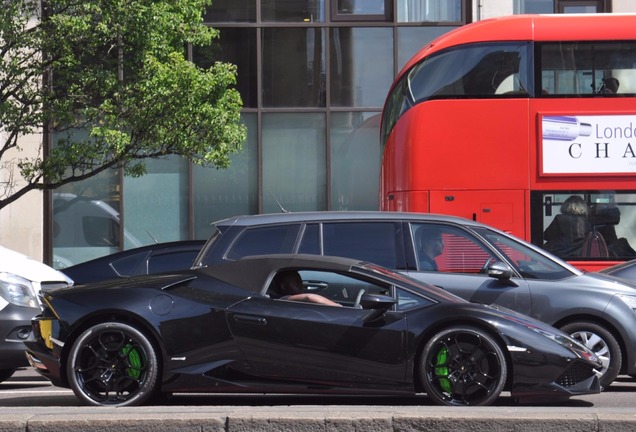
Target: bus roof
x=549 y=27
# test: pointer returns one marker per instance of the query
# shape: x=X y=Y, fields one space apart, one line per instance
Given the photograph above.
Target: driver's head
x=287 y=283
x=431 y=242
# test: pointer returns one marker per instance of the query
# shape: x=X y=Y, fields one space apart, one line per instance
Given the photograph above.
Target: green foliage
x=110 y=81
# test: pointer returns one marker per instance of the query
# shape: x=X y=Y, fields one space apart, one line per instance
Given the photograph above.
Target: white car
x=21 y=279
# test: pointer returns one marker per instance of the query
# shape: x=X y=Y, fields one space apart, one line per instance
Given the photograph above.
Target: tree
x=110 y=82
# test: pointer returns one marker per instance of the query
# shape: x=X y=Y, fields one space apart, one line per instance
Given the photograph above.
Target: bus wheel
x=602 y=343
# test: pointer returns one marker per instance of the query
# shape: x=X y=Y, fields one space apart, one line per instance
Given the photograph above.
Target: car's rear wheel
x=113 y=364
x=602 y=343
x=463 y=366
x=5 y=374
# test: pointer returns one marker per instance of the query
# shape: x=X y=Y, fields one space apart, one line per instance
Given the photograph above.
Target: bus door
x=504 y=209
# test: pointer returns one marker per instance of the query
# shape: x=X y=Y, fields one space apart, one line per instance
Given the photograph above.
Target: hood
x=611 y=284
x=29 y=268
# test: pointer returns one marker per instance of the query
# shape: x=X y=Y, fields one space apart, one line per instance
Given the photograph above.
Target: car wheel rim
x=596 y=344
x=111 y=367
x=464 y=369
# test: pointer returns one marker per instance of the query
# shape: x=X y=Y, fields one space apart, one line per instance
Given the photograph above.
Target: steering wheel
x=356 y=304
x=484 y=269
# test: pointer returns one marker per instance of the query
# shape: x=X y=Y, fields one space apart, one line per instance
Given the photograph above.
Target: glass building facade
x=313 y=76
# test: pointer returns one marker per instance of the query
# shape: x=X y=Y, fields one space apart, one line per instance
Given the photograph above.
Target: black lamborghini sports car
x=348 y=327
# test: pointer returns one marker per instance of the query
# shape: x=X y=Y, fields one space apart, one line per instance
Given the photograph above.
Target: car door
x=316 y=343
x=459 y=266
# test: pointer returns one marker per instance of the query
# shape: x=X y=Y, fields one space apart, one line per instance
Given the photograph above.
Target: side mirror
x=378 y=305
x=500 y=271
x=376 y=301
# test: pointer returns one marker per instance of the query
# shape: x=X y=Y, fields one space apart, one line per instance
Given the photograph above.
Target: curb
x=316 y=419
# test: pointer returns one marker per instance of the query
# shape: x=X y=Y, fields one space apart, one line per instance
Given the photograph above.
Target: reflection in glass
x=86 y=222
x=355 y=160
x=218 y=194
x=231 y=11
x=579 y=9
x=293 y=67
x=293 y=11
x=412 y=39
x=156 y=204
x=533 y=6
x=360 y=7
x=236 y=46
x=358 y=79
x=429 y=10
x=294 y=162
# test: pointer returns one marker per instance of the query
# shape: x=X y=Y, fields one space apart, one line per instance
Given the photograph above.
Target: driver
x=431 y=246
x=288 y=285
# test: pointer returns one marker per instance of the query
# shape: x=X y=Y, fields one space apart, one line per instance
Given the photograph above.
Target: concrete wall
x=21 y=223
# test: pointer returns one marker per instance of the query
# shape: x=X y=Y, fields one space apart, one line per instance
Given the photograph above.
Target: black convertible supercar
x=234 y=328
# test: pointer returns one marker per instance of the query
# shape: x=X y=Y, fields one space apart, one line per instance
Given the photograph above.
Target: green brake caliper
x=441 y=370
x=134 y=361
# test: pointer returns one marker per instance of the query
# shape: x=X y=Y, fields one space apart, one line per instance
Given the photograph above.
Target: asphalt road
x=27 y=389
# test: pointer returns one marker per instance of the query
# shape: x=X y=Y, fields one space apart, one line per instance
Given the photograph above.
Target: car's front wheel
x=463 y=366
x=113 y=364
x=602 y=343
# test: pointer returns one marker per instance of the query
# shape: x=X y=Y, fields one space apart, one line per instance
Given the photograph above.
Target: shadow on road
x=41 y=393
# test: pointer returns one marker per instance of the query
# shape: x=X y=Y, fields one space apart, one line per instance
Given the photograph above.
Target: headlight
x=628 y=300
x=572 y=344
x=18 y=290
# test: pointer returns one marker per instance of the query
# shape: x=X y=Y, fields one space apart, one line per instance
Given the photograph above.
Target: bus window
x=587 y=68
x=569 y=221
x=478 y=70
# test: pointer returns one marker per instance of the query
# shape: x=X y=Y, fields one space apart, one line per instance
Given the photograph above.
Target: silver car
x=475 y=261
x=21 y=279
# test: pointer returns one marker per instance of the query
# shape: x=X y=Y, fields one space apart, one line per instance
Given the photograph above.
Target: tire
x=602 y=343
x=112 y=364
x=463 y=366
x=5 y=374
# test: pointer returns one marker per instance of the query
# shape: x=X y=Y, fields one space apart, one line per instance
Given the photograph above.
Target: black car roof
x=273 y=218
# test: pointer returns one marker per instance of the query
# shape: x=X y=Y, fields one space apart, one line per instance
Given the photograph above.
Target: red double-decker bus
x=526 y=123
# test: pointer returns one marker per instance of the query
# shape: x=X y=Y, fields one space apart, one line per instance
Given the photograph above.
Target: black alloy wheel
x=463 y=366
x=113 y=364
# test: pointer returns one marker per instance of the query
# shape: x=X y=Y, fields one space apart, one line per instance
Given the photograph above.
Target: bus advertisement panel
x=513 y=121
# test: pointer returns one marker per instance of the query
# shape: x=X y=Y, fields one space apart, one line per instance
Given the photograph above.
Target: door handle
x=250 y=319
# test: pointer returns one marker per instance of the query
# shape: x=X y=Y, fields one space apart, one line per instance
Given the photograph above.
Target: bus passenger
x=568 y=231
x=604 y=218
x=610 y=86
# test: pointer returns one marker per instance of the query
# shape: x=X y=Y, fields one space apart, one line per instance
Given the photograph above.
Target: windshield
x=530 y=263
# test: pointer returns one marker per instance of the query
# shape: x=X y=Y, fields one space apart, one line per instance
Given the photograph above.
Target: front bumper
x=578 y=379
x=15 y=329
x=43 y=351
